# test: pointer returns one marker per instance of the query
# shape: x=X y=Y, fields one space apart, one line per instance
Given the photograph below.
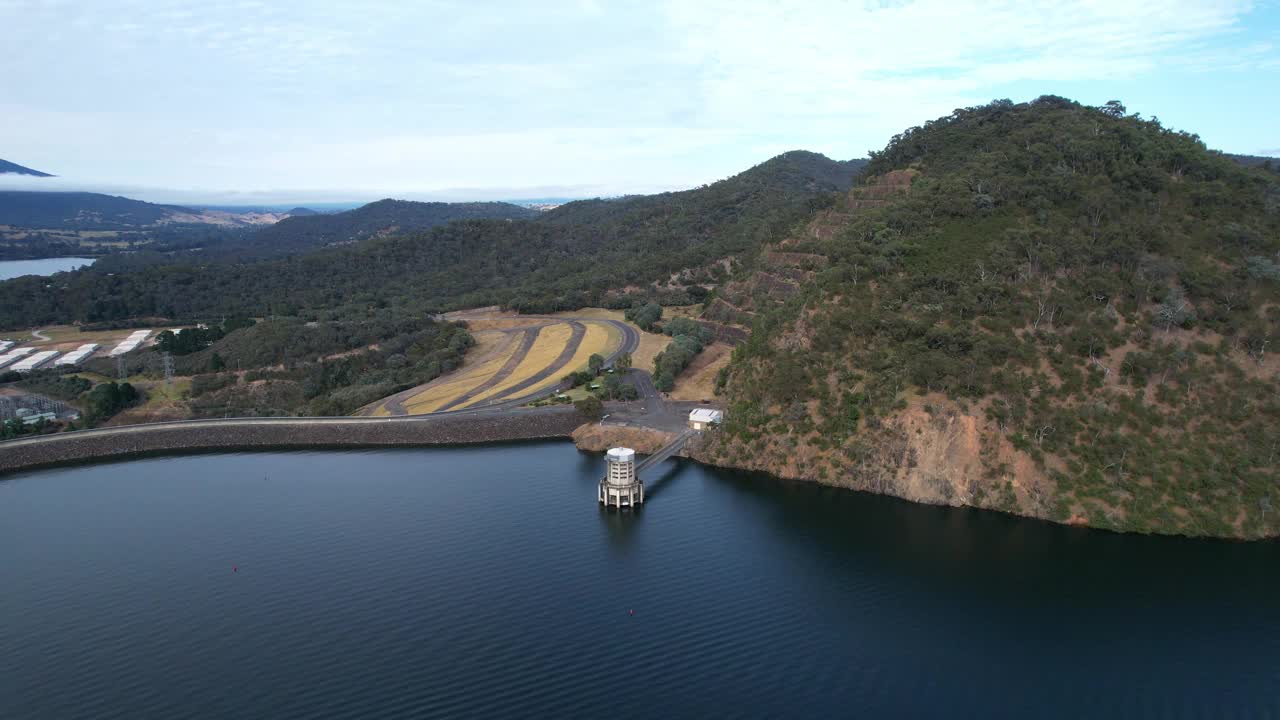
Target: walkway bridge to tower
x=666 y=451
x=621 y=486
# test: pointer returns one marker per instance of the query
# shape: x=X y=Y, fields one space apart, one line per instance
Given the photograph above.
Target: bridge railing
x=666 y=451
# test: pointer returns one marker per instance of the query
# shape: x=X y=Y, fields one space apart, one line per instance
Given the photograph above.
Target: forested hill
x=80 y=211
x=575 y=257
x=1045 y=308
x=9 y=167
x=311 y=230
x=728 y=217
x=1271 y=164
x=794 y=174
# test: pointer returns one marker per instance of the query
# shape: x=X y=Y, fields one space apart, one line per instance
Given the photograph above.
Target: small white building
x=703 y=418
x=5 y=345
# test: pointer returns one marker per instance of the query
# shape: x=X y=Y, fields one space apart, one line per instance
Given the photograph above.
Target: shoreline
x=103 y=445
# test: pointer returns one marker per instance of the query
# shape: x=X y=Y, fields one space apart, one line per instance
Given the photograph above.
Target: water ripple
x=484 y=582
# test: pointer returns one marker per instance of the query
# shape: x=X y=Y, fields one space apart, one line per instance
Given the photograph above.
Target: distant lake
x=47 y=266
x=486 y=582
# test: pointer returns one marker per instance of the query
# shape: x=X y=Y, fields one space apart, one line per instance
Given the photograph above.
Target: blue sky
x=250 y=101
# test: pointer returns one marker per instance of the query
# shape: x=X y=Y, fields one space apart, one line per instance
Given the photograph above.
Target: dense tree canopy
x=1100 y=288
x=576 y=255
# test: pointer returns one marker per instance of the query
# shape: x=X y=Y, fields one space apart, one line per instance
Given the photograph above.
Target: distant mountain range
x=47 y=224
x=8 y=167
x=310 y=230
x=37 y=210
x=80 y=211
x=37 y=224
x=428 y=257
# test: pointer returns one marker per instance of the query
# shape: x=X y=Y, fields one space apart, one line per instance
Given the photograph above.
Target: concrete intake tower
x=620 y=487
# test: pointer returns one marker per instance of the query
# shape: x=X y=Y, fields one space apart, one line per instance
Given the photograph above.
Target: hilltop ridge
x=525 y=259
x=1043 y=308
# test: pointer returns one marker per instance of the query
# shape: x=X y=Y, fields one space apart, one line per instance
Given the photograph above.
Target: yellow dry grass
x=650 y=345
x=698 y=381
x=501 y=323
x=598 y=313
x=164 y=402
x=491 y=351
x=551 y=341
x=599 y=338
x=494 y=348
x=487 y=342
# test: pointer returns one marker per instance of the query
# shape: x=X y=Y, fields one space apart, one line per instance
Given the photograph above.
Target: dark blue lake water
x=486 y=582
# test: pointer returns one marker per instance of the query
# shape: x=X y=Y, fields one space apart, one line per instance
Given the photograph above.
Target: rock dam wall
x=263 y=433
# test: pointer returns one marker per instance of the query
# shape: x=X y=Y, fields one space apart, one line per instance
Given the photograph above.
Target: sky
x=283 y=101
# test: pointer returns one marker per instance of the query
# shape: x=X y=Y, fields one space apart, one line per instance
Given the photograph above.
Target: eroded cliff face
x=931 y=452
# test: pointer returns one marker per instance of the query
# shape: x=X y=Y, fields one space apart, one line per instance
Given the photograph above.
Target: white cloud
x=921 y=56
x=421 y=97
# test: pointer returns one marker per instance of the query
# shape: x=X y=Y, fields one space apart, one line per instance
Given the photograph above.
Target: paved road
x=651 y=410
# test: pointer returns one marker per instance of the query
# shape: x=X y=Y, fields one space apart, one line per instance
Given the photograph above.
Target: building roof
x=621 y=453
x=705 y=415
x=34 y=361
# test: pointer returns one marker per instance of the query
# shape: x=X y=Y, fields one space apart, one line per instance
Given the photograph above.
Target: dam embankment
x=242 y=433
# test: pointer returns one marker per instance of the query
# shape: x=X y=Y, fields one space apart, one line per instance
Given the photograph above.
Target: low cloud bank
x=201 y=196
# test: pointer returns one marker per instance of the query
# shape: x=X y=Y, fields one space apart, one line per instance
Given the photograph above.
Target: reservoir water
x=46 y=266
x=486 y=582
